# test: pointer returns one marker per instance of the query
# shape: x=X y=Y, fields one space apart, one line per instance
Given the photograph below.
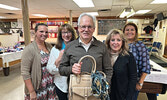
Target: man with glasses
x=86 y=44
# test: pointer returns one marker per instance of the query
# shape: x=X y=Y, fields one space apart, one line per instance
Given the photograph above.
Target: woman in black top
x=124 y=78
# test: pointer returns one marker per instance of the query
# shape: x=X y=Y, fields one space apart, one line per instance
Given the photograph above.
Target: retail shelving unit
x=146 y=34
x=52 y=26
x=147 y=39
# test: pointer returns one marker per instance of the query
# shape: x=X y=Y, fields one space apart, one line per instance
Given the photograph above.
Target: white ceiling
x=60 y=8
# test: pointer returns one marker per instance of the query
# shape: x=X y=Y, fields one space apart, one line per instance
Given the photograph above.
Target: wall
x=99 y=37
x=160 y=34
x=138 y=22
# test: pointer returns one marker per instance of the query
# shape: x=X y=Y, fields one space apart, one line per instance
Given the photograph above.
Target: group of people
x=46 y=69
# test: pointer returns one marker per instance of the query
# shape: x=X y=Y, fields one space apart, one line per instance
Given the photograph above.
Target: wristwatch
x=141 y=84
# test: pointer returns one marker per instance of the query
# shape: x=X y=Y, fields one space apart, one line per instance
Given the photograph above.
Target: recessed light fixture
x=8 y=7
x=84 y=3
x=159 y=2
x=39 y=15
x=142 y=11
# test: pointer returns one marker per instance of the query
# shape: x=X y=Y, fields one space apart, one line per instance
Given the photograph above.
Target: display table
x=156 y=82
x=9 y=59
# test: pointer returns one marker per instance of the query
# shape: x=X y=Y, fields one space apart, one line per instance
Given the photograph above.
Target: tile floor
x=12 y=86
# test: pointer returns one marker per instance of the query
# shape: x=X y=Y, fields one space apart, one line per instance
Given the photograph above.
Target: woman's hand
x=33 y=96
x=57 y=62
x=61 y=54
x=141 y=81
x=138 y=87
x=28 y=84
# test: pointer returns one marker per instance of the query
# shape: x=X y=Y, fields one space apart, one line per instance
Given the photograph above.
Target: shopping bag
x=80 y=85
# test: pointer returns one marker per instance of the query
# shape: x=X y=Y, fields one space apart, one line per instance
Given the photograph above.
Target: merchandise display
x=52 y=26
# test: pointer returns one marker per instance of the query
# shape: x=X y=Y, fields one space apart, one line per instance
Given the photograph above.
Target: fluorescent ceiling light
x=8 y=7
x=142 y=11
x=159 y=2
x=123 y=14
x=93 y=13
x=127 y=12
x=131 y=14
x=40 y=15
x=84 y=3
x=2 y=17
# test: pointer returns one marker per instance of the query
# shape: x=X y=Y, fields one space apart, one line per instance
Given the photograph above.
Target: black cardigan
x=123 y=83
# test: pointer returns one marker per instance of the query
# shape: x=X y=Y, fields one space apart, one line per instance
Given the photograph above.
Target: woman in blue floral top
x=140 y=53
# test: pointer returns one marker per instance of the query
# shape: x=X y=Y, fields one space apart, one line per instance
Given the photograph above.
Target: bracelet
x=141 y=84
x=32 y=91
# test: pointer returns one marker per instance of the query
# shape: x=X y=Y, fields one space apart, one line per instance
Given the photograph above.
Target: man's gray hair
x=85 y=14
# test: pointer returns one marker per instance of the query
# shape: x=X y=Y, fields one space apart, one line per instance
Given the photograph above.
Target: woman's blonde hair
x=124 y=47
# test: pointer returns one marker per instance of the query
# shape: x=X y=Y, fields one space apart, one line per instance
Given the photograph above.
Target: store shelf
x=144 y=25
x=147 y=42
x=146 y=39
x=146 y=34
x=147 y=23
x=53 y=26
x=141 y=37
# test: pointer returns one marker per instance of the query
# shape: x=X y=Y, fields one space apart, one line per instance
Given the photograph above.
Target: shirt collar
x=84 y=43
x=63 y=45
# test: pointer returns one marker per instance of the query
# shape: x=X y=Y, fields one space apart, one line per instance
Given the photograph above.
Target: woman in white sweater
x=66 y=33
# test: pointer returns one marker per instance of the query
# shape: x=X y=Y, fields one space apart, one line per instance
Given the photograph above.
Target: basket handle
x=93 y=62
x=78 y=78
x=104 y=75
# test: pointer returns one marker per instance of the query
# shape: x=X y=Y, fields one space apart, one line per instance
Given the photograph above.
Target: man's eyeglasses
x=84 y=27
x=66 y=33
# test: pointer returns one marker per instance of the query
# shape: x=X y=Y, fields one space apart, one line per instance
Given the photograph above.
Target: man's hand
x=76 y=68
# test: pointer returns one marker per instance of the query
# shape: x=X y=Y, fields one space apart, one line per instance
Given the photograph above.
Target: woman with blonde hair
x=124 y=67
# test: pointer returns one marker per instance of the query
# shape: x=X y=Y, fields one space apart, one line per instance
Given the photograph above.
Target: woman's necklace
x=43 y=48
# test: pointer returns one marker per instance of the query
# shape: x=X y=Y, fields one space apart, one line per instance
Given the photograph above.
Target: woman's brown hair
x=59 y=42
x=136 y=29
